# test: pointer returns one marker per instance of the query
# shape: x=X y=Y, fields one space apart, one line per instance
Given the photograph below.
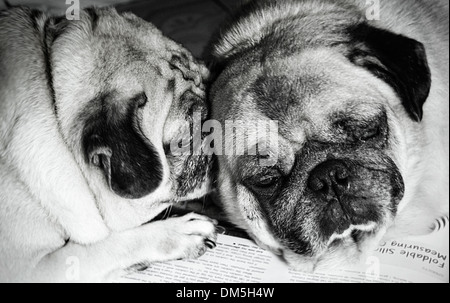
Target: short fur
x=363 y=116
x=86 y=108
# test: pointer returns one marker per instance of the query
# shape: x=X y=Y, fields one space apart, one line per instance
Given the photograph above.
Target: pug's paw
x=187 y=237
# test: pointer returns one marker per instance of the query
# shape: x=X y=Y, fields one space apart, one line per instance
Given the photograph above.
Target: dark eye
x=265 y=186
x=267 y=181
x=264 y=183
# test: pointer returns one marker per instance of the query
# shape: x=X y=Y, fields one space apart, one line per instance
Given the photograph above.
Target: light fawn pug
x=87 y=111
x=363 y=113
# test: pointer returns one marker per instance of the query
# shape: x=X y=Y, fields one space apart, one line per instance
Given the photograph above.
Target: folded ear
x=113 y=142
x=398 y=60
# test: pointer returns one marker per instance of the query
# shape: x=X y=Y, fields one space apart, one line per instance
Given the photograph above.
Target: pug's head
x=123 y=93
x=347 y=97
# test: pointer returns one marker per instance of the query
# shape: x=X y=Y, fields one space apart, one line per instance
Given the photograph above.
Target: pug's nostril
x=330 y=179
x=343 y=179
x=342 y=173
x=318 y=185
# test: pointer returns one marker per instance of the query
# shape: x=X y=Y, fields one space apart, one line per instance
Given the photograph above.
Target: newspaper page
x=238 y=260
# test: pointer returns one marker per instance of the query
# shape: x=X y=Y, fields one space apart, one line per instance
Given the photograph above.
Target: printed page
x=234 y=260
x=237 y=260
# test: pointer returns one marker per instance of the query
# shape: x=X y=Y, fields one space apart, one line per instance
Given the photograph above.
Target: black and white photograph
x=224 y=147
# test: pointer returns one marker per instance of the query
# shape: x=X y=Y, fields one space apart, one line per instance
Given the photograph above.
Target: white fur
x=54 y=209
x=420 y=150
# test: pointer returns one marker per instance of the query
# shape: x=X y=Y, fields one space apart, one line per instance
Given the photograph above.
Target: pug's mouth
x=191 y=169
x=351 y=239
x=355 y=233
x=342 y=249
x=195 y=176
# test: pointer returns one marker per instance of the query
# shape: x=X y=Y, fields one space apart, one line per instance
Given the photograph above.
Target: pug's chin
x=342 y=250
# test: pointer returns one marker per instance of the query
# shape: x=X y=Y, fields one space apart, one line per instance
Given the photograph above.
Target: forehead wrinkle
x=286 y=101
x=286 y=85
x=277 y=95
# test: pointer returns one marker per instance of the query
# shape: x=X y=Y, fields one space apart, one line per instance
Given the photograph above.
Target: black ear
x=396 y=59
x=113 y=142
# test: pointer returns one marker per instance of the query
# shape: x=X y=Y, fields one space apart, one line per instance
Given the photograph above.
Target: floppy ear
x=398 y=60
x=113 y=142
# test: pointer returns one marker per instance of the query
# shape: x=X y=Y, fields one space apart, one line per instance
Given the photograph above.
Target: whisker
x=203 y=204
x=168 y=212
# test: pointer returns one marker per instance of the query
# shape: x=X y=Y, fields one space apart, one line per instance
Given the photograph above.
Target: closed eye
x=359 y=132
x=362 y=130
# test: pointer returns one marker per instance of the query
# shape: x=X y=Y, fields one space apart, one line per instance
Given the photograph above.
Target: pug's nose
x=330 y=180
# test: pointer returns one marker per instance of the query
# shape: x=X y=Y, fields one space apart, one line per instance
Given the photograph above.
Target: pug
x=362 y=112
x=88 y=110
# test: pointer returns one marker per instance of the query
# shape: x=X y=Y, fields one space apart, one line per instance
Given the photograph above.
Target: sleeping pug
x=87 y=109
x=363 y=124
